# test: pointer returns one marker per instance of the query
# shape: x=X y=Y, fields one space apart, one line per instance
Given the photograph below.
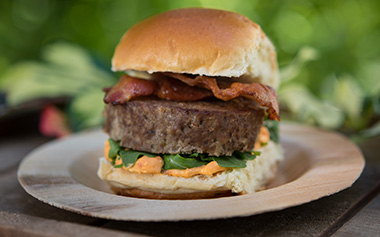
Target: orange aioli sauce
x=209 y=169
x=107 y=148
x=153 y=165
x=263 y=137
x=147 y=165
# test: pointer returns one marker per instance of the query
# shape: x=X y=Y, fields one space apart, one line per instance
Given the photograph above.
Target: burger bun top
x=199 y=41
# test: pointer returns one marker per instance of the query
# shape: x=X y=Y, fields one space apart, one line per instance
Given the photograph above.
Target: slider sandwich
x=196 y=114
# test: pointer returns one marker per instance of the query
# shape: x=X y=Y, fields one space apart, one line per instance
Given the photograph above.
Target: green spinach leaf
x=130 y=156
x=273 y=127
x=115 y=148
x=179 y=162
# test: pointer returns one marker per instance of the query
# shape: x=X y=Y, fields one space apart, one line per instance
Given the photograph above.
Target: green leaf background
x=328 y=52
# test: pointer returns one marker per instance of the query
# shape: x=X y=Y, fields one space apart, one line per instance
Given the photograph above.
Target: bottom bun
x=230 y=182
x=134 y=192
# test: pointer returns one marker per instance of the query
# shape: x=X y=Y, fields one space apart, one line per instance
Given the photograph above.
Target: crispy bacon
x=128 y=88
x=179 y=87
x=172 y=89
x=264 y=95
x=166 y=88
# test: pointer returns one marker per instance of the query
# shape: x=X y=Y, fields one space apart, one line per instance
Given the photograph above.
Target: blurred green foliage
x=328 y=51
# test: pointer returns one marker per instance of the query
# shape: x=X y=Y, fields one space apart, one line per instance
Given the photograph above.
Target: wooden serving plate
x=62 y=173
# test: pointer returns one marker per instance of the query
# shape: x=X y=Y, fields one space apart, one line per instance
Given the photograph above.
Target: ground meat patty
x=161 y=126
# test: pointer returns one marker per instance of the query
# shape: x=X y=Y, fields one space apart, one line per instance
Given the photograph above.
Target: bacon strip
x=179 y=87
x=265 y=95
x=129 y=88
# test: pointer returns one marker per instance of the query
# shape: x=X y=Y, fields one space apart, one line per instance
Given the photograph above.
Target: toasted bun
x=134 y=192
x=158 y=186
x=199 y=41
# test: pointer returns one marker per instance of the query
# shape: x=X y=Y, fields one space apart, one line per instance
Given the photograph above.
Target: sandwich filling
x=196 y=112
x=181 y=87
x=184 y=166
x=182 y=147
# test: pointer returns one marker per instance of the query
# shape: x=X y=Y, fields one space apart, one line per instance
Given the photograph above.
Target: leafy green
x=179 y=162
x=117 y=163
x=328 y=52
x=127 y=156
x=272 y=126
x=293 y=69
x=367 y=133
x=256 y=153
x=130 y=156
x=67 y=71
x=237 y=160
x=250 y=155
x=230 y=162
x=301 y=102
x=115 y=148
x=85 y=109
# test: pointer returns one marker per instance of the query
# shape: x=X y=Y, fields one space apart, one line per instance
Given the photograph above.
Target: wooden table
x=354 y=211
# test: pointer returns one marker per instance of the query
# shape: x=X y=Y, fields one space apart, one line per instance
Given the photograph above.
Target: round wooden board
x=62 y=173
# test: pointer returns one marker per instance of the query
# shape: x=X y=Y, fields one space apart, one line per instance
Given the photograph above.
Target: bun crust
x=199 y=41
x=157 y=186
x=134 y=192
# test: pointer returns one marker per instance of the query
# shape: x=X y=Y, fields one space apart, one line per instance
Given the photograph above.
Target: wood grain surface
x=317 y=164
x=26 y=225
x=324 y=217
x=364 y=223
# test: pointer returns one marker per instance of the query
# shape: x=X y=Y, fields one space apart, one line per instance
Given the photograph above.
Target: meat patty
x=161 y=126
